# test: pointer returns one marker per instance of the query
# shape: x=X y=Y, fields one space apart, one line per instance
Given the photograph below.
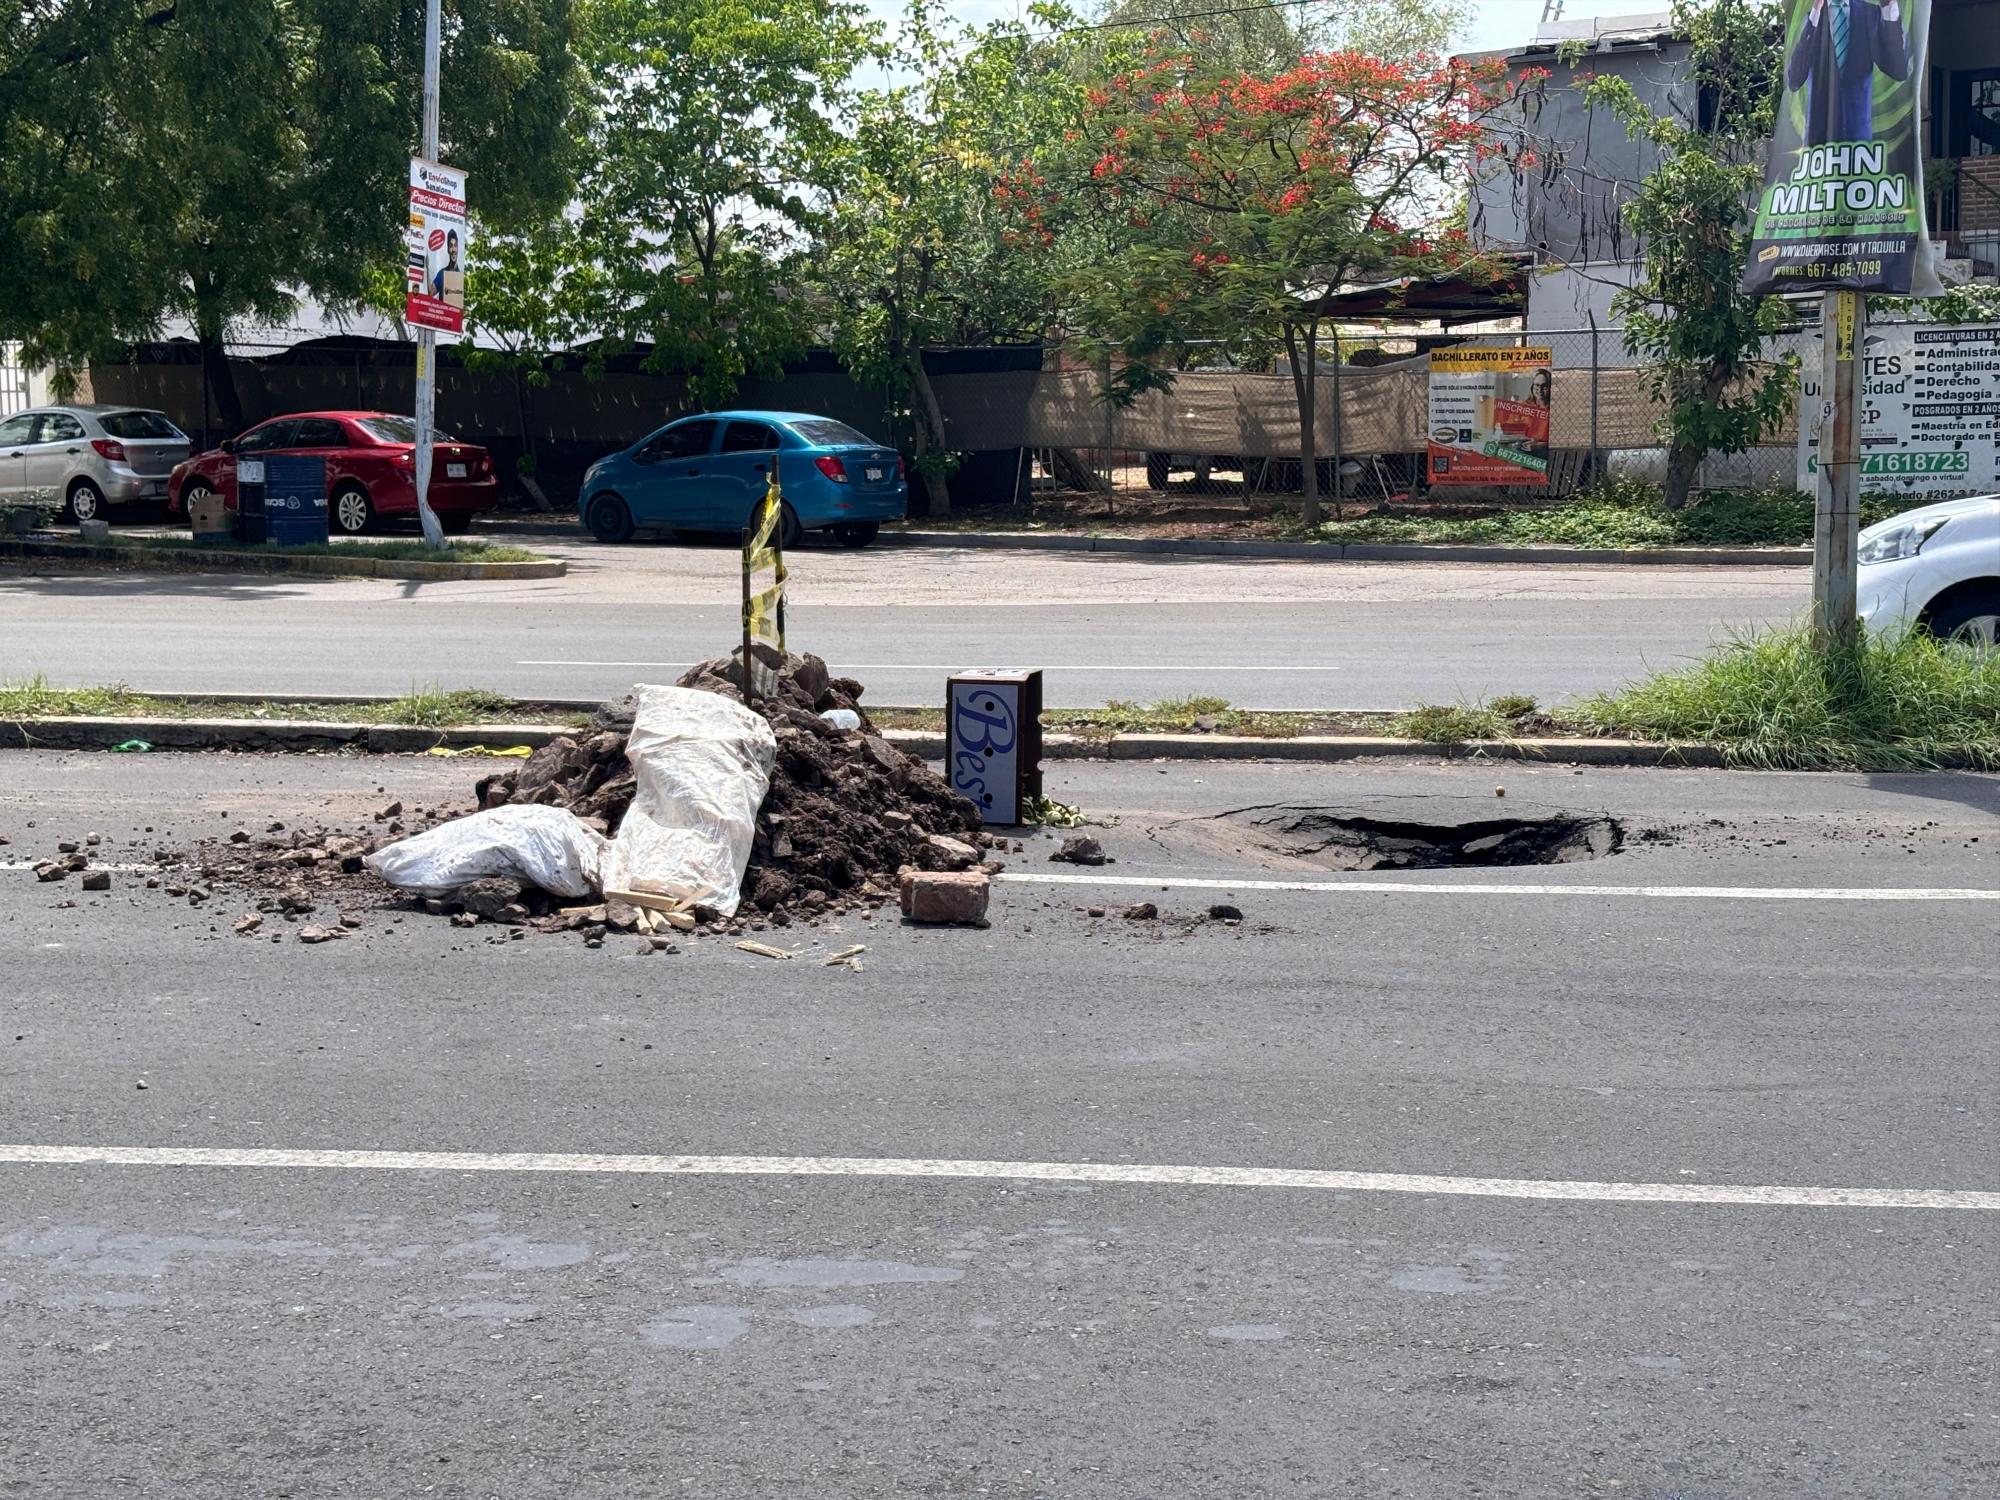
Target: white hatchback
x=1937 y=567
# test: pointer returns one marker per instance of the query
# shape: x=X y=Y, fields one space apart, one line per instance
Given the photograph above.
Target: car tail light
x=831 y=467
x=899 y=466
x=485 y=464
x=109 y=448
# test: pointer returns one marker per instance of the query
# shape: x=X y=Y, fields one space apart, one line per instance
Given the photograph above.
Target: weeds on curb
x=1887 y=702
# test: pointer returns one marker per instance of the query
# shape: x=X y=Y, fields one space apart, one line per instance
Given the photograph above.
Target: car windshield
x=827 y=433
x=399 y=430
x=139 y=424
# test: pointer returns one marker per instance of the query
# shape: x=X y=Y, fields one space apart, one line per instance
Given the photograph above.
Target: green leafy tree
x=1250 y=200
x=920 y=248
x=530 y=299
x=219 y=160
x=1702 y=337
x=713 y=140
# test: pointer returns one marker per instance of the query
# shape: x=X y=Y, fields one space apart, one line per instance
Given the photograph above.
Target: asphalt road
x=481 y=1326
x=1260 y=634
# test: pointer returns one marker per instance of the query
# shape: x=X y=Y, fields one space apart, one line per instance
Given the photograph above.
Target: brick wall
x=1979 y=192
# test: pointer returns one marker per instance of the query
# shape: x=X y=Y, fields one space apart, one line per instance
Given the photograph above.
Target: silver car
x=89 y=457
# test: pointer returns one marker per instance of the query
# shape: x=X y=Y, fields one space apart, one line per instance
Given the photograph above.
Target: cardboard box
x=210 y=520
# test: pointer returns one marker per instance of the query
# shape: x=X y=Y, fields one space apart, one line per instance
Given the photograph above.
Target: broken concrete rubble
x=845 y=812
x=1080 y=849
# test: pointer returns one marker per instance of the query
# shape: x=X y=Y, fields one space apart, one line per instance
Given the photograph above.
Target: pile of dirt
x=846 y=811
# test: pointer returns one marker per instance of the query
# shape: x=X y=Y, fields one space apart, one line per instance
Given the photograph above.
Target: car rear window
x=399 y=430
x=138 y=425
x=827 y=433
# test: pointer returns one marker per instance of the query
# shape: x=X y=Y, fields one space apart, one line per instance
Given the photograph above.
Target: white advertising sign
x=439 y=247
x=1930 y=410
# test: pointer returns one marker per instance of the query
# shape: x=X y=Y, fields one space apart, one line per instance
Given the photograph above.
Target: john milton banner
x=1843 y=198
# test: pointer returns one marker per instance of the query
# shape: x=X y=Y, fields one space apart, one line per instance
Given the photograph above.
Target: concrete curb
x=405 y=739
x=1327 y=552
x=188 y=558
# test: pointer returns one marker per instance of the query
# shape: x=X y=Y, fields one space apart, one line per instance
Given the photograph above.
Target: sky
x=1495 y=23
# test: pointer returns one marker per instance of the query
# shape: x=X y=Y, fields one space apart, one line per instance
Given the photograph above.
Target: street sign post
x=421 y=298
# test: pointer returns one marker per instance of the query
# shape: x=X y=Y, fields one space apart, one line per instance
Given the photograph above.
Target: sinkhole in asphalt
x=1337 y=840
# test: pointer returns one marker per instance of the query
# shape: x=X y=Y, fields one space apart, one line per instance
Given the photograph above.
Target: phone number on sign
x=1821 y=270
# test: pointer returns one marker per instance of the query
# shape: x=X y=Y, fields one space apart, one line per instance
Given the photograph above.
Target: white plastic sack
x=548 y=847
x=703 y=764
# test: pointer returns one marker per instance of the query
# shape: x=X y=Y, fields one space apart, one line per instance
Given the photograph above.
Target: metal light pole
x=426 y=413
x=1837 y=509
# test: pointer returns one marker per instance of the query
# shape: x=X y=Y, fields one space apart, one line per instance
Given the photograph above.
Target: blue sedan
x=705 y=473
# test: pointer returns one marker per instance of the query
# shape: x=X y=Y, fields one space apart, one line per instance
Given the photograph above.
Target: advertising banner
x=1843 y=198
x=1489 y=416
x=439 y=247
x=1930 y=410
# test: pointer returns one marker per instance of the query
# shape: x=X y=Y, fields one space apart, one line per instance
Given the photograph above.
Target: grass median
x=1772 y=701
x=430 y=707
x=1617 y=515
x=382 y=550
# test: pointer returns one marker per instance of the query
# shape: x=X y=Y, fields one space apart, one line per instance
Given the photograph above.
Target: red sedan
x=370 y=469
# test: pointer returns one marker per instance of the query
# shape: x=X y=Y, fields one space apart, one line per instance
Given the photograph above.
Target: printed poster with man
x=1489 y=416
x=438 y=248
x=1843 y=198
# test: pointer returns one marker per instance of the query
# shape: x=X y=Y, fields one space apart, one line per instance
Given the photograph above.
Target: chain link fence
x=1225 y=432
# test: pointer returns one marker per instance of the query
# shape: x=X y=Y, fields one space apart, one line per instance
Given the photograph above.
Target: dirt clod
x=1080 y=849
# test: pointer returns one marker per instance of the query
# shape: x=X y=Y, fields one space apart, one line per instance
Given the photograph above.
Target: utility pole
x=1837 y=509
x=426 y=413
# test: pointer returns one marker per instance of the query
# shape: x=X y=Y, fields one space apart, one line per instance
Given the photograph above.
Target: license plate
x=454 y=471
x=873 y=474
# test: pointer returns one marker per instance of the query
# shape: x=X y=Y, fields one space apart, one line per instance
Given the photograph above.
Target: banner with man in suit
x=1843 y=198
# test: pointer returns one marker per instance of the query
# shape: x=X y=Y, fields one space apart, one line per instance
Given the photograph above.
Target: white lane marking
x=948 y=666
x=1497 y=888
x=1716 y=1194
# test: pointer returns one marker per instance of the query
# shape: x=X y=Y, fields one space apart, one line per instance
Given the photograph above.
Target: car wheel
x=1157 y=469
x=194 y=493
x=350 y=512
x=790 y=532
x=856 y=533
x=1973 y=618
x=457 y=523
x=85 y=502
x=609 y=519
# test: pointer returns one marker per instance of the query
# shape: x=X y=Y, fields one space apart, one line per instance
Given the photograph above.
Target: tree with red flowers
x=1246 y=201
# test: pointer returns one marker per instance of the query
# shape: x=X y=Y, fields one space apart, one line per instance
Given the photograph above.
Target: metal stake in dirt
x=426 y=413
x=1837 y=509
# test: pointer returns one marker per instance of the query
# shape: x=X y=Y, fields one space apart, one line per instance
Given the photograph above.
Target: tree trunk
x=1305 y=376
x=1682 y=458
x=1073 y=472
x=930 y=434
x=531 y=479
x=221 y=380
x=1682 y=461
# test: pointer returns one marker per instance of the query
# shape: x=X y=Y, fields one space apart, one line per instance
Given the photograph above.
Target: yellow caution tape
x=517 y=752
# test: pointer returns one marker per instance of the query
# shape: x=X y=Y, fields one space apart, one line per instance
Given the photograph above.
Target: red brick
x=945 y=896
